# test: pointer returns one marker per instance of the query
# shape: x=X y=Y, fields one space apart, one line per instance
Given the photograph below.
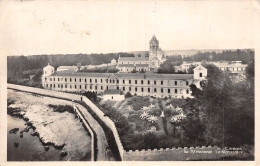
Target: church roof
x=132 y=65
x=154 y=40
x=142 y=58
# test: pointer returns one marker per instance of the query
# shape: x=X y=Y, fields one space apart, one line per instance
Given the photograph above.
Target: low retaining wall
x=45 y=92
x=89 y=130
x=181 y=154
x=108 y=122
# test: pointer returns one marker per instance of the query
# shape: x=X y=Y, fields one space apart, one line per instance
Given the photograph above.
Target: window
x=162 y=90
x=66 y=86
x=58 y=85
x=142 y=82
x=75 y=86
x=54 y=86
x=50 y=79
x=113 y=81
x=65 y=79
x=123 y=81
x=90 y=86
x=176 y=82
x=80 y=80
x=117 y=81
x=136 y=89
x=107 y=87
x=47 y=85
x=161 y=82
x=148 y=82
x=187 y=83
x=176 y=91
x=45 y=78
x=148 y=89
x=187 y=91
x=58 y=79
x=79 y=86
x=51 y=85
x=107 y=80
x=129 y=88
x=200 y=74
x=123 y=88
x=90 y=80
x=135 y=81
x=110 y=81
x=95 y=87
x=154 y=82
x=70 y=86
x=85 y=86
x=101 y=80
x=142 y=89
x=169 y=90
x=53 y=79
x=155 y=90
x=75 y=80
x=70 y=79
x=95 y=80
x=85 y=80
x=101 y=87
x=129 y=81
x=200 y=83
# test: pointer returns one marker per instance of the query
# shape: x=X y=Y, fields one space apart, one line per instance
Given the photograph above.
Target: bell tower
x=154 y=47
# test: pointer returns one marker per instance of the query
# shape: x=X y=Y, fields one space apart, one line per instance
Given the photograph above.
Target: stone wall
x=45 y=92
x=109 y=123
x=181 y=154
x=89 y=130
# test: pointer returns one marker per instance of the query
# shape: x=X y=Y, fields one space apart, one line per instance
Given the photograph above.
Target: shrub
x=128 y=95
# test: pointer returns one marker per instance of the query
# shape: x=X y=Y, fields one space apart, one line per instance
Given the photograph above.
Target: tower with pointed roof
x=155 y=53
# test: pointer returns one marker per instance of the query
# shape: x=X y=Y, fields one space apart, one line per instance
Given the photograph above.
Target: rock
x=14 y=131
x=46 y=148
x=16 y=144
x=63 y=153
x=27 y=129
x=34 y=133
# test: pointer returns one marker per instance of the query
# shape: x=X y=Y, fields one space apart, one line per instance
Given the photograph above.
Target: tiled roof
x=67 y=67
x=112 y=91
x=127 y=75
x=199 y=68
x=142 y=58
x=132 y=65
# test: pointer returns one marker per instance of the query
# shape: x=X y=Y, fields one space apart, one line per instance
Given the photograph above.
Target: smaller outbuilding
x=113 y=94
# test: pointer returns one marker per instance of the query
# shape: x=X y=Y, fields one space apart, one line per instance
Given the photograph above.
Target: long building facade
x=143 y=84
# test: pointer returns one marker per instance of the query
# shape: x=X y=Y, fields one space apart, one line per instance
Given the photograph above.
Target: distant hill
x=183 y=52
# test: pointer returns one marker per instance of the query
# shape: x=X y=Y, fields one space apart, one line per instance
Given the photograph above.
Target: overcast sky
x=48 y=27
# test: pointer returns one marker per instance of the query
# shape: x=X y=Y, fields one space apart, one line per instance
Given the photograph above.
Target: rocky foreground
x=59 y=129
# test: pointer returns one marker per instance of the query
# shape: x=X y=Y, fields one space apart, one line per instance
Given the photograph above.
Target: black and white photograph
x=116 y=81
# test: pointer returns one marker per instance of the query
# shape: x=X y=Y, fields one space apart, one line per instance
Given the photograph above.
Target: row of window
x=117 y=81
x=124 y=89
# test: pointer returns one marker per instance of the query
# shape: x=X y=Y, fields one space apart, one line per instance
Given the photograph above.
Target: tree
x=128 y=95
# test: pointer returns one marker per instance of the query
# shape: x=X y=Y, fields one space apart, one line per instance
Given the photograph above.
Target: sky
x=72 y=27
